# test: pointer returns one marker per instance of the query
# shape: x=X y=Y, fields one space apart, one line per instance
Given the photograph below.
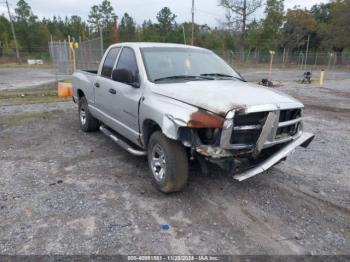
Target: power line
x=217 y=16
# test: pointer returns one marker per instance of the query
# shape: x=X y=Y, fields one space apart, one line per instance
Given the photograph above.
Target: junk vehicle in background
x=175 y=102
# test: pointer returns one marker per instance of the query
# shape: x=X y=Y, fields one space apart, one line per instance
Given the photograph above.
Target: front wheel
x=168 y=162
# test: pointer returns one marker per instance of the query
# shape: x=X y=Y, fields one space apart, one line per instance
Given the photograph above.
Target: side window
x=127 y=61
x=109 y=62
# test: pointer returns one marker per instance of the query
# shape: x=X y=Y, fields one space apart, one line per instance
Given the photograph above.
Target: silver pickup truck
x=176 y=103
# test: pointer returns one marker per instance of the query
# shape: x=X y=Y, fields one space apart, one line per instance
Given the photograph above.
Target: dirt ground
x=66 y=192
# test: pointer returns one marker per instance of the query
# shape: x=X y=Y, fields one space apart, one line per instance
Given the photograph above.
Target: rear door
x=105 y=97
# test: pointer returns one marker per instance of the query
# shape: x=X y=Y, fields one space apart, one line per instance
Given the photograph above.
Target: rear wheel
x=87 y=122
x=168 y=162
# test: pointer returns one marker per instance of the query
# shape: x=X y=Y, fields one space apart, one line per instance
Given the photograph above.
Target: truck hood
x=221 y=96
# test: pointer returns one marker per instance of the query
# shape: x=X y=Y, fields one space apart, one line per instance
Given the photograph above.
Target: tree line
x=322 y=27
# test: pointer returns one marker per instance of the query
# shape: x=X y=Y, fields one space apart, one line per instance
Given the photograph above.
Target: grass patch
x=25 y=118
x=30 y=96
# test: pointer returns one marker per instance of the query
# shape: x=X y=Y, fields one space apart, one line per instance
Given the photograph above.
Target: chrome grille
x=250 y=119
x=290 y=114
x=247 y=128
x=248 y=137
x=289 y=123
x=287 y=131
x=250 y=131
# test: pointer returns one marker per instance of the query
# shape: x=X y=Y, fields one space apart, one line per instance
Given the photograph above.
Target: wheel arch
x=80 y=94
x=149 y=126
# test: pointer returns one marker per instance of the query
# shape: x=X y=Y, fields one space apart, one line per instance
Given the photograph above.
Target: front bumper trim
x=304 y=140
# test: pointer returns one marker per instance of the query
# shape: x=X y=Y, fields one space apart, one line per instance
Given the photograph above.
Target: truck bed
x=84 y=79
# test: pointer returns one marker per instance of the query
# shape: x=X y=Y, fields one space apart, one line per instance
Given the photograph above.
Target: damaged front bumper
x=218 y=153
x=304 y=140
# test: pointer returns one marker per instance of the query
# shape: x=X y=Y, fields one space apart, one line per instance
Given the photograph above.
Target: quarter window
x=109 y=62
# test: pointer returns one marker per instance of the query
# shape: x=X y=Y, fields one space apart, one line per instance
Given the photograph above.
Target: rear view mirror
x=125 y=76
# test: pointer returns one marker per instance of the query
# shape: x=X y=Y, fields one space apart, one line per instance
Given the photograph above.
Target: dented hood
x=221 y=96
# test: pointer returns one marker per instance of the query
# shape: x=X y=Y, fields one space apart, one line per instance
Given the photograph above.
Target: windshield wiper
x=222 y=75
x=185 y=77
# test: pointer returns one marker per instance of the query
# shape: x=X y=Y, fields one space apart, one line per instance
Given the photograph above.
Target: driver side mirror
x=125 y=76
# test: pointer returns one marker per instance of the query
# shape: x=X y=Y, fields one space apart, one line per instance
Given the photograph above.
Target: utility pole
x=192 y=22
x=13 y=33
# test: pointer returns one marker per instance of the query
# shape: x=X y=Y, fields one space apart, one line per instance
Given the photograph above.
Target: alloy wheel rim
x=82 y=116
x=158 y=162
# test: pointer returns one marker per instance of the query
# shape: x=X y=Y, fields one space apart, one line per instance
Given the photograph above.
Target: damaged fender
x=159 y=107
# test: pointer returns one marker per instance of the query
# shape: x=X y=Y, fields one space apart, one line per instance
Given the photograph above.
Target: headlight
x=202 y=119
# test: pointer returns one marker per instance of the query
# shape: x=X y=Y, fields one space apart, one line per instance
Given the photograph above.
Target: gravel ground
x=14 y=78
x=66 y=192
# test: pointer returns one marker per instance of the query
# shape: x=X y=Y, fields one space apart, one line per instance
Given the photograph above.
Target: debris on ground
x=268 y=83
x=165 y=227
x=306 y=78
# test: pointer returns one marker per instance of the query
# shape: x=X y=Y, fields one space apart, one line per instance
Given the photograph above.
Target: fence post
x=316 y=56
x=330 y=60
x=272 y=53
x=322 y=77
x=307 y=51
x=283 y=57
x=81 y=56
x=52 y=54
x=301 y=64
x=101 y=42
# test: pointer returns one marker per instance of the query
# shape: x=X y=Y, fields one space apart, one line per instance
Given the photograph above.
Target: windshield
x=184 y=64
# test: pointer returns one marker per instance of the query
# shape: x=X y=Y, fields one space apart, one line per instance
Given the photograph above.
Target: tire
x=87 y=122
x=172 y=159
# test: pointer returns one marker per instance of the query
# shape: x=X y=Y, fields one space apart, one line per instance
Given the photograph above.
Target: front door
x=129 y=95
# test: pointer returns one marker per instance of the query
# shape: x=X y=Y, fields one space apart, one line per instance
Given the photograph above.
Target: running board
x=121 y=143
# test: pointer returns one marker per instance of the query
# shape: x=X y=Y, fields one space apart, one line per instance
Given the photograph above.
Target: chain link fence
x=59 y=53
x=66 y=59
x=89 y=54
x=299 y=60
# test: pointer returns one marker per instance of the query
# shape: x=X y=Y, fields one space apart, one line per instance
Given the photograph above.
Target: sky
x=206 y=11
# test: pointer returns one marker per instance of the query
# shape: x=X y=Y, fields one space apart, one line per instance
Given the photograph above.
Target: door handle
x=112 y=91
x=97 y=85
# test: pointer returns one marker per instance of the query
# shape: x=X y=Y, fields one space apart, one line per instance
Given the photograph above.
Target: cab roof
x=152 y=44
